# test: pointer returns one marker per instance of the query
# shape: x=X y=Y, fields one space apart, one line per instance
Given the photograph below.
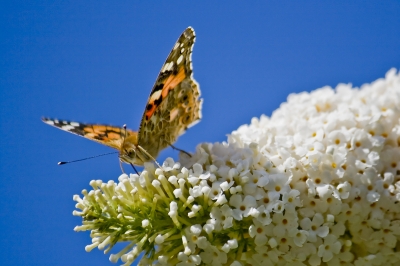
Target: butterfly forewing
x=105 y=134
x=173 y=104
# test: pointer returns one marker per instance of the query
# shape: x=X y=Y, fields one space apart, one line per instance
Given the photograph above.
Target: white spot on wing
x=173 y=114
x=176 y=45
x=155 y=95
x=182 y=50
x=50 y=122
x=171 y=64
x=75 y=124
x=179 y=59
x=167 y=66
x=67 y=127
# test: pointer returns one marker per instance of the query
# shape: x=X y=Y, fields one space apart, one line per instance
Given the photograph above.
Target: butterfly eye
x=131 y=153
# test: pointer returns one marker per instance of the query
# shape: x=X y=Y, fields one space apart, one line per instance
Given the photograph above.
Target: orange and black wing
x=108 y=135
x=174 y=103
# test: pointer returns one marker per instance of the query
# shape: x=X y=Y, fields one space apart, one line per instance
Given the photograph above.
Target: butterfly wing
x=107 y=135
x=173 y=105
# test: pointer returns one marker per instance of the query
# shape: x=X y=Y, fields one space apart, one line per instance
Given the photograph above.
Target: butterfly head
x=129 y=156
x=128 y=153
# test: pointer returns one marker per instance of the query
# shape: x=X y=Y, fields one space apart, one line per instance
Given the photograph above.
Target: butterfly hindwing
x=105 y=134
x=173 y=104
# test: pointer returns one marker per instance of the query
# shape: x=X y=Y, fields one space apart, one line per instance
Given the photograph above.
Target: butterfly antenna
x=125 y=132
x=123 y=141
x=61 y=163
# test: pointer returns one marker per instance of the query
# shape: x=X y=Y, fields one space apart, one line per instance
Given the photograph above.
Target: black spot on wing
x=157 y=88
x=158 y=101
x=175 y=70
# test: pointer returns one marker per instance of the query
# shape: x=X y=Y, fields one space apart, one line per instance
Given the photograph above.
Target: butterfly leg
x=134 y=168
x=175 y=148
x=122 y=168
x=148 y=154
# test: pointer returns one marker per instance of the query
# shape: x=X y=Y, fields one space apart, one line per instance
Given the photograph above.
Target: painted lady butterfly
x=173 y=107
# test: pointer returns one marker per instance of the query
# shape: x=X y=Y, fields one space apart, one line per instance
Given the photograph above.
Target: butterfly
x=173 y=106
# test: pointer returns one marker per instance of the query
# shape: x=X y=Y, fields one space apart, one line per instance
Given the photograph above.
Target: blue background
x=93 y=61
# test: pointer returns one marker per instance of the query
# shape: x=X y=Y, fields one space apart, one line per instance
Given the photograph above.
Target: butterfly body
x=173 y=106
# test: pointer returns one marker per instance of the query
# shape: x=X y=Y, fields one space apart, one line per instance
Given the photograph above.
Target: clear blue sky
x=96 y=61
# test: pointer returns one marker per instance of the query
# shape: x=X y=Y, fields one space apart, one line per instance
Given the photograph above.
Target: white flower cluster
x=318 y=183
